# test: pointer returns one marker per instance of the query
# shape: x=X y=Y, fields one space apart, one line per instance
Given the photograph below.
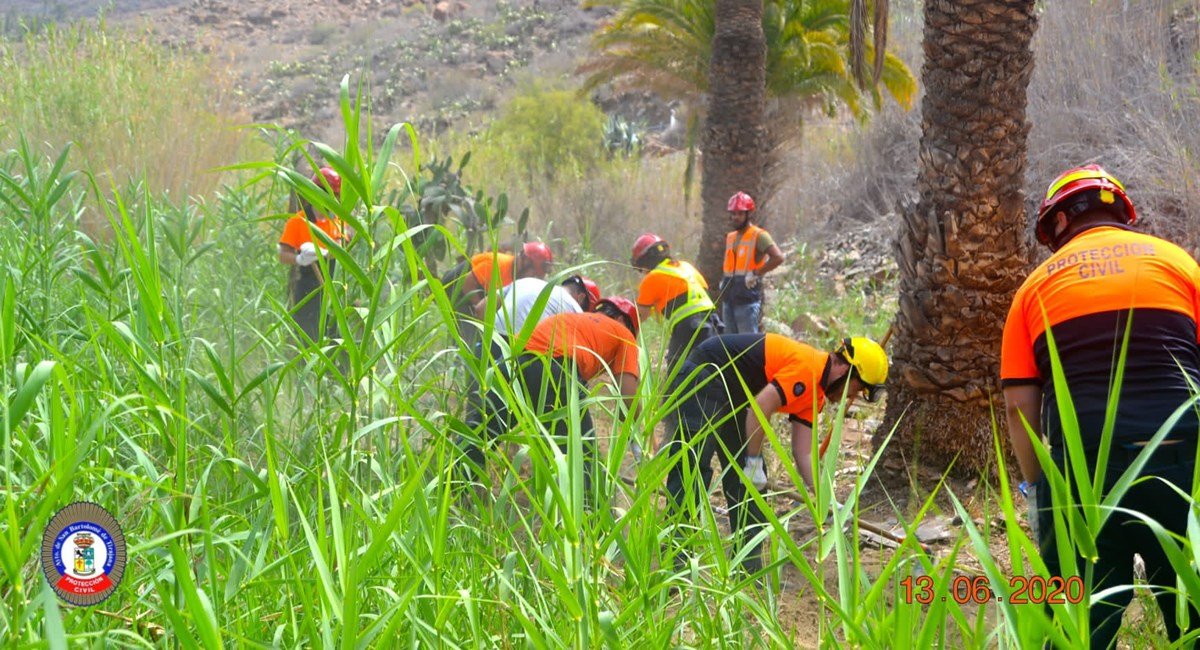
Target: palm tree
x=665 y=46
x=961 y=247
x=734 y=130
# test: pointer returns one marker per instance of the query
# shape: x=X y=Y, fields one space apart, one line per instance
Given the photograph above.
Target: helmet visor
x=871 y=392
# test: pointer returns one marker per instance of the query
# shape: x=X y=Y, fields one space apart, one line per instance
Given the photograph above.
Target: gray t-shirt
x=518 y=300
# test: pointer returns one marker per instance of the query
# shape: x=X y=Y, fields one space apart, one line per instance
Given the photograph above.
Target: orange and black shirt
x=303 y=280
x=591 y=341
x=675 y=290
x=296 y=231
x=1103 y=281
x=484 y=265
x=797 y=371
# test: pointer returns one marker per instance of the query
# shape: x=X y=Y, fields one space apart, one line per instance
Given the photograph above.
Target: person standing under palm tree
x=750 y=253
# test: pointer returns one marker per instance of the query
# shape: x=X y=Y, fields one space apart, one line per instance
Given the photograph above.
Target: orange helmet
x=645 y=244
x=1103 y=192
x=327 y=178
x=539 y=255
x=740 y=202
x=620 y=308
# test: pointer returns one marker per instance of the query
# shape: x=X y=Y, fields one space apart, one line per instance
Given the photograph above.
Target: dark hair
x=1084 y=211
x=610 y=310
x=576 y=282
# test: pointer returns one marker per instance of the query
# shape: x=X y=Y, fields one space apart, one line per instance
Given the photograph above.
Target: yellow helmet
x=867 y=361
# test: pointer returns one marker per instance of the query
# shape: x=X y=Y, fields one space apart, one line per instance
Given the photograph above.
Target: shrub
x=550 y=133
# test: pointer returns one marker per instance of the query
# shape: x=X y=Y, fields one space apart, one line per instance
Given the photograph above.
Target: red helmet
x=590 y=290
x=1073 y=182
x=643 y=245
x=740 y=202
x=623 y=307
x=593 y=290
x=539 y=255
x=327 y=176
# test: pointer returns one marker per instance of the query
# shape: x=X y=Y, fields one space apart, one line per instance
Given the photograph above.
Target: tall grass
x=309 y=498
x=133 y=108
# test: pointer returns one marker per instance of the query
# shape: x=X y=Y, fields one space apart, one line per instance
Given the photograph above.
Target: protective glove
x=307 y=255
x=756 y=472
x=836 y=508
x=1030 y=492
x=751 y=280
x=636 y=450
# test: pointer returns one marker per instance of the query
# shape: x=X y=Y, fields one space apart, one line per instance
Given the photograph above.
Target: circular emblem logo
x=83 y=553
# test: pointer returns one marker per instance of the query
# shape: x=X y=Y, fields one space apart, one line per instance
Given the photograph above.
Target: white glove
x=756 y=472
x=636 y=450
x=307 y=255
x=1031 y=498
x=751 y=280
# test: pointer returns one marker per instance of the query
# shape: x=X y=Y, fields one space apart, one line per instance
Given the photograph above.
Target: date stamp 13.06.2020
x=1022 y=590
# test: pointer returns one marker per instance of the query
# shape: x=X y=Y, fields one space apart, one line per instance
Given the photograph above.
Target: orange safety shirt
x=592 y=341
x=296 y=230
x=745 y=251
x=797 y=371
x=482 y=266
x=1103 y=281
x=675 y=290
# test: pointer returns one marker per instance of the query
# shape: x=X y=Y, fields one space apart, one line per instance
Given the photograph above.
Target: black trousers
x=305 y=288
x=547 y=383
x=691 y=331
x=1124 y=535
x=712 y=423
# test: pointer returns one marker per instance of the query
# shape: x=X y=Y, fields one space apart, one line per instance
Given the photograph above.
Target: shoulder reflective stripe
x=697 y=297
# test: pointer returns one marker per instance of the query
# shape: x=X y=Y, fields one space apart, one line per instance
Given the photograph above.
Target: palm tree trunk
x=962 y=249
x=733 y=136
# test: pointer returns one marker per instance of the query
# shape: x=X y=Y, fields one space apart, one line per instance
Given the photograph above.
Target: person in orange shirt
x=1106 y=291
x=750 y=253
x=300 y=250
x=720 y=379
x=675 y=291
x=494 y=271
x=565 y=352
x=470 y=281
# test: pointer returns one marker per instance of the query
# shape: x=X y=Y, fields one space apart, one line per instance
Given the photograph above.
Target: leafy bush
x=550 y=133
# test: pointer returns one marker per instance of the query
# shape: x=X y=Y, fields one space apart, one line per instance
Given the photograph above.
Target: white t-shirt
x=519 y=297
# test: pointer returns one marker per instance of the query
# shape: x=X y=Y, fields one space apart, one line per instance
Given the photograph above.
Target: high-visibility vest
x=697 y=296
x=739 y=252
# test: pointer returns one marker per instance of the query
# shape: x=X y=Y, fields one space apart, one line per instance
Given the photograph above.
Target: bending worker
x=470 y=281
x=750 y=253
x=675 y=291
x=782 y=376
x=567 y=351
x=1103 y=283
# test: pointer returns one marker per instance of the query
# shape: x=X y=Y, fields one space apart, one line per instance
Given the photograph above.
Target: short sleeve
x=627 y=358
x=1196 y=298
x=647 y=294
x=800 y=400
x=764 y=243
x=1017 y=362
x=295 y=232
